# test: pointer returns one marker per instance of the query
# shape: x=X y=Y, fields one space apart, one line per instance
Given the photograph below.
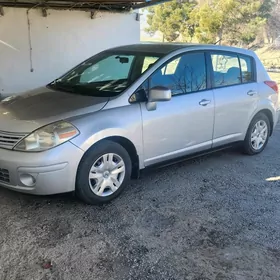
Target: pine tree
x=170 y=19
x=234 y=22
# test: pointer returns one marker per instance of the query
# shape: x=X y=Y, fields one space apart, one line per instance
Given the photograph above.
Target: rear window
x=231 y=69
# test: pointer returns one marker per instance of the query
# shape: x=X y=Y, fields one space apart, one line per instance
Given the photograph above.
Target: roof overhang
x=86 y=5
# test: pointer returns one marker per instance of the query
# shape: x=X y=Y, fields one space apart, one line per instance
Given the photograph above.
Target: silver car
x=129 y=108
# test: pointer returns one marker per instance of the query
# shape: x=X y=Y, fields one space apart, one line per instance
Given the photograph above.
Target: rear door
x=236 y=95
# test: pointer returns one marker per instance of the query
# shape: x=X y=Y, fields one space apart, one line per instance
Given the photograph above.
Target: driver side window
x=183 y=75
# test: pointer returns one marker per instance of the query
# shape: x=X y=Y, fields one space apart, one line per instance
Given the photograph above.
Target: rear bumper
x=50 y=172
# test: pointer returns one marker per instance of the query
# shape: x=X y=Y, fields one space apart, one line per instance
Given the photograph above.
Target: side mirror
x=159 y=93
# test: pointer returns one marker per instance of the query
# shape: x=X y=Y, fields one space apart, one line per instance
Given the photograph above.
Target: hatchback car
x=129 y=108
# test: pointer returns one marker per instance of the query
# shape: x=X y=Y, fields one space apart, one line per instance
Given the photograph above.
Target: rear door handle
x=251 y=92
x=204 y=102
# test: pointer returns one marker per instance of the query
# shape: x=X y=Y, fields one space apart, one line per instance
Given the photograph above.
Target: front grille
x=4 y=175
x=8 y=140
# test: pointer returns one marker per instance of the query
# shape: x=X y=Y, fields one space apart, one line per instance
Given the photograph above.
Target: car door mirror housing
x=159 y=93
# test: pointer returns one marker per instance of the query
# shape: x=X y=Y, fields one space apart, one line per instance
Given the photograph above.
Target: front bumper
x=53 y=171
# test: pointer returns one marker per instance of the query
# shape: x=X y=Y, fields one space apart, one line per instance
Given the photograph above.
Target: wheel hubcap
x=106 y=174
x=259 y=135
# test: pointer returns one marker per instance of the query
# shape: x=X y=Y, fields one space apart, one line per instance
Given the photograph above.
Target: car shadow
x=71 y=199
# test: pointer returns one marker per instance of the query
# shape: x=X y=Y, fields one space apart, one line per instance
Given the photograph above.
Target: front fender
x=123 y=122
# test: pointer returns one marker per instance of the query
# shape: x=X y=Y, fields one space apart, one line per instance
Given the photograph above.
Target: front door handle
x=204 y=102
x=251 y=92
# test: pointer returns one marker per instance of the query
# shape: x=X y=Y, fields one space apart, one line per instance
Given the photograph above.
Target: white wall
x=59 y=41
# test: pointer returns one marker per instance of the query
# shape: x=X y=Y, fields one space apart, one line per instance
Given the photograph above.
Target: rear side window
x=246 y=69
x=231 y=69
x=184 y=74
x=226 y=70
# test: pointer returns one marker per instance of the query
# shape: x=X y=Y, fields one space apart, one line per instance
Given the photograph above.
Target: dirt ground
x=215 y=217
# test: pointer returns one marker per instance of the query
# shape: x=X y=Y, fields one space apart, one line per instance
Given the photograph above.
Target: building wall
x=59 y=41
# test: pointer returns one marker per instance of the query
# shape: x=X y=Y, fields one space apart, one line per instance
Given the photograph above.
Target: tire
x=249 y=147
x=102 y=166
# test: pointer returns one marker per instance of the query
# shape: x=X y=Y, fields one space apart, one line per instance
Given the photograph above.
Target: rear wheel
x=257 y=135
x=103 y=173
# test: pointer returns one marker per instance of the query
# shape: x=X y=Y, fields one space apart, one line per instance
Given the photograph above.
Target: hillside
x=270 y=57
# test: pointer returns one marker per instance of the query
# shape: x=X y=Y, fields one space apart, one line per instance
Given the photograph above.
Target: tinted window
x=226 y=70
x=182 y=75
x=246 y=68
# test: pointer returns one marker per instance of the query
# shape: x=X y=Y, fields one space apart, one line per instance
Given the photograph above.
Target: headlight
x=48 y=137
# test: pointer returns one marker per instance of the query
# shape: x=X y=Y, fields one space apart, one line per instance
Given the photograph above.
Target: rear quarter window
x=246 y=63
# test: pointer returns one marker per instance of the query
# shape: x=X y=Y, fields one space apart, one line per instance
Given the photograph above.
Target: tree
x=246 y=22
x=231 y=21
x=170 y=19
x=208 y=22
x=271 y=11
x=234 y=22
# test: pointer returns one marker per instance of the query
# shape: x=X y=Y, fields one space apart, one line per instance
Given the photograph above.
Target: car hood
x=33 y=109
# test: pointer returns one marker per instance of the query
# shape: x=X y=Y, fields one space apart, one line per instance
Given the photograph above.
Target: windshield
x=105 y=75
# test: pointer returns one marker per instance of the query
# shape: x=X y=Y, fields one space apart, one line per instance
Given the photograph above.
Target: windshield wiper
x=62 y=86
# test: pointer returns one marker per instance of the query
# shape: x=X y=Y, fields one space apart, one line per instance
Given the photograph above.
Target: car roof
x=166 y=48
x=163 y=48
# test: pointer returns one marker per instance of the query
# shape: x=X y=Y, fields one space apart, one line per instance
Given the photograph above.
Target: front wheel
x=257 y=135
x=103 y=173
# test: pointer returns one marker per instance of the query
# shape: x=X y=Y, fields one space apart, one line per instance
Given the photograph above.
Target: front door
x=183 y=125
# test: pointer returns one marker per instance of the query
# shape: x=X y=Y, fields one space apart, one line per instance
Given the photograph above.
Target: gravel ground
x=215 y=217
